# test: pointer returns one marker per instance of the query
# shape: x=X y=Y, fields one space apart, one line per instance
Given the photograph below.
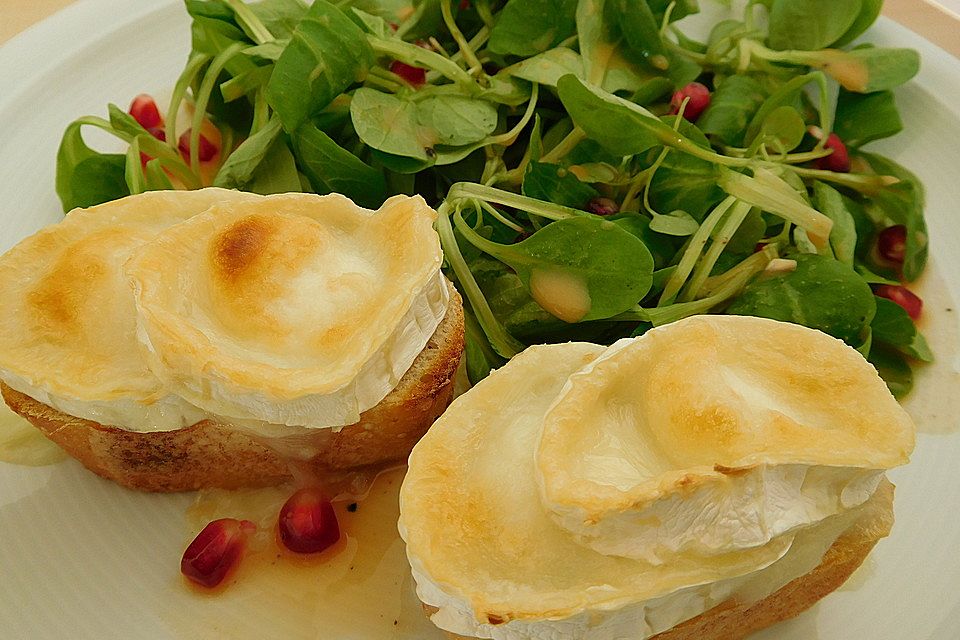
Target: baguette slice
x=733 y=620
x=212 y=454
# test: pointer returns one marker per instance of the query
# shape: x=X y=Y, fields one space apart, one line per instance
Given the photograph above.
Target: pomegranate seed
x=215 y=551
x=464 y=5
x=603 y=206
x=206 y=152
x=699 y=101
x=308 y=523
x=907 y=299
x=892 y=243
x=414 y=75
x=839 y=160
x=144 y=110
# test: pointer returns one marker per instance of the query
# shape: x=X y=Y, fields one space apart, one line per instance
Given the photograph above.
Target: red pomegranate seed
x=839 y=160
x=144 y=110
x=603 y=206
x=206 y=152
x=907 y=299
x=464 y=5
x=216 y=551
x=308 y=523
x=699 y=101
x=892 y=243
x=414 y=75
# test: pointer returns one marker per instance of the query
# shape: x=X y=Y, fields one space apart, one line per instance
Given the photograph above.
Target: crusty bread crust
x=211 y=454
x=735 y=620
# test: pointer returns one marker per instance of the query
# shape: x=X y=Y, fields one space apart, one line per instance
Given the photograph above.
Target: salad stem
x=502 y=342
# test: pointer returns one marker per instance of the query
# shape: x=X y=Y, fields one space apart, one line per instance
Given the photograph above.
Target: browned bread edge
x=733 y=620
x=210 y=454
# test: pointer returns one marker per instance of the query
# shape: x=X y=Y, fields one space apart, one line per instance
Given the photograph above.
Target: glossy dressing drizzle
x=22 y=443
x=359 y=589
x=934 y=403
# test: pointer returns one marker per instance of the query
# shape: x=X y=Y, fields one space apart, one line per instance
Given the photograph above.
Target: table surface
x=936 y=20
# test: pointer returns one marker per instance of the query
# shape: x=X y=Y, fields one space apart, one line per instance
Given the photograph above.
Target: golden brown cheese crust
x=249 y=305
x=209 y=454
x=69 y=321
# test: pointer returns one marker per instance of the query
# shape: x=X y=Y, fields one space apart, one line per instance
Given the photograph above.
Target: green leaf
x=457 y=120
x=481 y=358
x=277 y=173
x=579 y=268
x=661 y=248
x=864 y=117
x=212 y=36
x=327 y=53
x=553 y=183
x=787 y=95
x=214 y=9
x=893 y=368
x=528 y=27
x=548 y=67
x=73 y=150
x=843 y=236
x=374 y=25
x=402 y=164
x=783 y=129
x=623 y=127
x=684 y=182
x=892 y=326
x=676 y=223
x=390 y=124
x=869 y=12
x=732 y=106
x=810 y=24
x=602 y=47
x=865 y=70
x=240 y=165
x=641 y=30
x=902 y=203
x=820 y=293
x=333 y=169
x=280 y=17
x=97 y=179
x=651 y=91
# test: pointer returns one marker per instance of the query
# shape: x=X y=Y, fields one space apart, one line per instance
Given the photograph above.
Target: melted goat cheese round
x=68 y=331
x=295 y=309
x=715 y=434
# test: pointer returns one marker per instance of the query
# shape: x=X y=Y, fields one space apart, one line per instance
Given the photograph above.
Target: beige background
x=923 y=16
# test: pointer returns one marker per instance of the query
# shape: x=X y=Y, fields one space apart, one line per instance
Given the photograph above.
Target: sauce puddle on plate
x=22 y=443
x=934 y=403
x=360 y=589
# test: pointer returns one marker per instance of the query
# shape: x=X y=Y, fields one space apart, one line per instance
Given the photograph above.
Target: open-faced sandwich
x=177 y=340
x=703 y=481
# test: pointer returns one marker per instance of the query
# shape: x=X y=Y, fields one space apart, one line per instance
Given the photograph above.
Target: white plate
x=83 y=558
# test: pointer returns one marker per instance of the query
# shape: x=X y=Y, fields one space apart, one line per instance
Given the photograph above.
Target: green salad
x=597 y=170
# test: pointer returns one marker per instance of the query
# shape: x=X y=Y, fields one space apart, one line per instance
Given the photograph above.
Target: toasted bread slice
x=213 y=454
x=734 y=620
